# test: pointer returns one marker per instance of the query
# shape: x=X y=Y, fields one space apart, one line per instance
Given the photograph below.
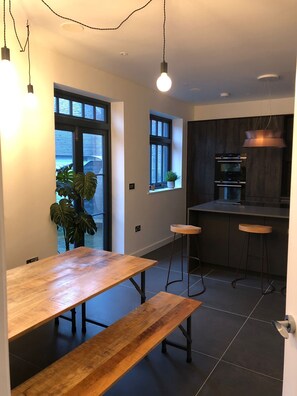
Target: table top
x=43 y=290
x=249 y=210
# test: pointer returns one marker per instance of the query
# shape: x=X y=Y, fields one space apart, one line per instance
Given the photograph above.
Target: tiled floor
x=236 y=350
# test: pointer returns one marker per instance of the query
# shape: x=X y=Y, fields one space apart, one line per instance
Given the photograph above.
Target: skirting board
x=151 y=247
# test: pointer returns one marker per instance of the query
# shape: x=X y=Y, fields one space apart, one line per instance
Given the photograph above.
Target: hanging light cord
x=95 y=27
x=164 y=29
x=4 y=23
x=269 y=104
x=22 y=47
x=28 y=52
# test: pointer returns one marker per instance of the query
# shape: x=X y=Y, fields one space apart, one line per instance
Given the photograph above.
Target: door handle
x=285 y=327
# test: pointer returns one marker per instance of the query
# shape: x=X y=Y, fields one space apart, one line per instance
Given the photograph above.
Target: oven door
x=229 y=193
x=230 y=170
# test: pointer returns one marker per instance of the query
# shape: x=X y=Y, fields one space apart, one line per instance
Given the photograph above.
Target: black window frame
x=78 y=125
x=163 y=142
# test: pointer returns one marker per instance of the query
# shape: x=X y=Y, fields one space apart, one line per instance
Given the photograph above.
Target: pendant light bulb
x=164 y=82
x=7 y=68
x=31 y=100
x=8 y=74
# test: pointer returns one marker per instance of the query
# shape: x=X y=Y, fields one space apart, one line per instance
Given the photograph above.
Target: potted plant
x=69 y=212
x=170 y=178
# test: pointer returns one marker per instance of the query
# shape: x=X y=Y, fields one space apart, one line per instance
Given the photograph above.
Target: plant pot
x=171 y=184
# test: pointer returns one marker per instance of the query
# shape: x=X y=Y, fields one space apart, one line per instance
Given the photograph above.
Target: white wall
x=29 y=160
x=244 y=109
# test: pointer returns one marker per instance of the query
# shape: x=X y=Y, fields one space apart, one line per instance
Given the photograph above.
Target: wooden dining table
x=43 y=290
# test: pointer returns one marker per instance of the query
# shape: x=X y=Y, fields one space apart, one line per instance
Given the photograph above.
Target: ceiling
x=212 y=46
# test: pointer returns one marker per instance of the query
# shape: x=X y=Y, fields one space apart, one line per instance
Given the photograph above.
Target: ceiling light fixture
x=5 y=51
x=266 y=137
x=31 y=98
x=8 y=72
x=164 y=82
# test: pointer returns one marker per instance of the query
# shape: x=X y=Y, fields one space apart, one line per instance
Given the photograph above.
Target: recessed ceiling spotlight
x=267 y=77
x=72 y=27
x=224 y=94
x=124 y=53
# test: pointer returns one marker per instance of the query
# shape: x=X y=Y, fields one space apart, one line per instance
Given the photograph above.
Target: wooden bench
x=94 y=366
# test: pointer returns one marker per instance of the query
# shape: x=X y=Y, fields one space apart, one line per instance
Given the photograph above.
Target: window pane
x=160 y=149
x=153 y=127
x=77 y=109
x=160 y=128
x=159 y=164
x=153 y=164
x=64 y=106
x=100 y=113
x=55 y=105
x=165 y=161
x=96 y=241
x=92 y=153
x=165 y=129
x=64 y=150
x=89 y=111
x=64 y=156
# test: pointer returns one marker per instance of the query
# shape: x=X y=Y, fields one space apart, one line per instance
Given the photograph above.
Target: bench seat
x=94 y=366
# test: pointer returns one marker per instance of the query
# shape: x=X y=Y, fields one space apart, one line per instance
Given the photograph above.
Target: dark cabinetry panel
x=268 y=169
x=200 y=169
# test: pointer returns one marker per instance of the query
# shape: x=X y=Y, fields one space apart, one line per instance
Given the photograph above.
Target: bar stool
x=185 y=231
x=263 y=231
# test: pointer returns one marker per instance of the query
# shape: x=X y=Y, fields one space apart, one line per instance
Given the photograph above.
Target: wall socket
x=31 y=260
x=137 y=228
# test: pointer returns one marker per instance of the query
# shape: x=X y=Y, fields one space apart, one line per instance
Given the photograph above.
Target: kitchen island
x=221 y=242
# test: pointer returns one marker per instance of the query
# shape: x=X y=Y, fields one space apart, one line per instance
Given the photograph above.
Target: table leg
x=83 y=318
x=143 y=296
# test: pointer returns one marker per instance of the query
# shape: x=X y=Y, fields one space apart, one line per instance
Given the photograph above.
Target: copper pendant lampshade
x=266 y=137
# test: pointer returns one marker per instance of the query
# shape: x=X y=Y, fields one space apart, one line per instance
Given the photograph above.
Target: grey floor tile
x=113 y=304
x=156 y=280
x=229 y=380
x=271 y=307
x=229 y=274
x=165 y=374
x=222 y=295
x=258 y=347
x=212 y=331
x=20 y=370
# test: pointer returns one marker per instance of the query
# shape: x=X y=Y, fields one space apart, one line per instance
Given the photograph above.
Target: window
x=160 y=150
x=82 y=133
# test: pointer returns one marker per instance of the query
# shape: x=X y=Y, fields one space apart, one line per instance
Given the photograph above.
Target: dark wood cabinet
x=201 y=150
x=221 y=242
x=268 y=169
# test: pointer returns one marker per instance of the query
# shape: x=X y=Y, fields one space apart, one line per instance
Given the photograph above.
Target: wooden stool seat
x=185 y=229
x=255 y=228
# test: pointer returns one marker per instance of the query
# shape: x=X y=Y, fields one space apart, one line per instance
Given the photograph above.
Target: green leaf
x=62 y=213
x=85 y=185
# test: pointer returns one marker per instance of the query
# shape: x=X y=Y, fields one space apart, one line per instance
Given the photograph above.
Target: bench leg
x=188 y=335
x=73 y=320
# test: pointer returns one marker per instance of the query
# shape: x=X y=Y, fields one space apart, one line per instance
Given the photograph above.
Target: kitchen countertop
x=264 y=211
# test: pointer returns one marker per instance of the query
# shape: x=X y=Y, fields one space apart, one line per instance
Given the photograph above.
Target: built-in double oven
x=230 y=177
